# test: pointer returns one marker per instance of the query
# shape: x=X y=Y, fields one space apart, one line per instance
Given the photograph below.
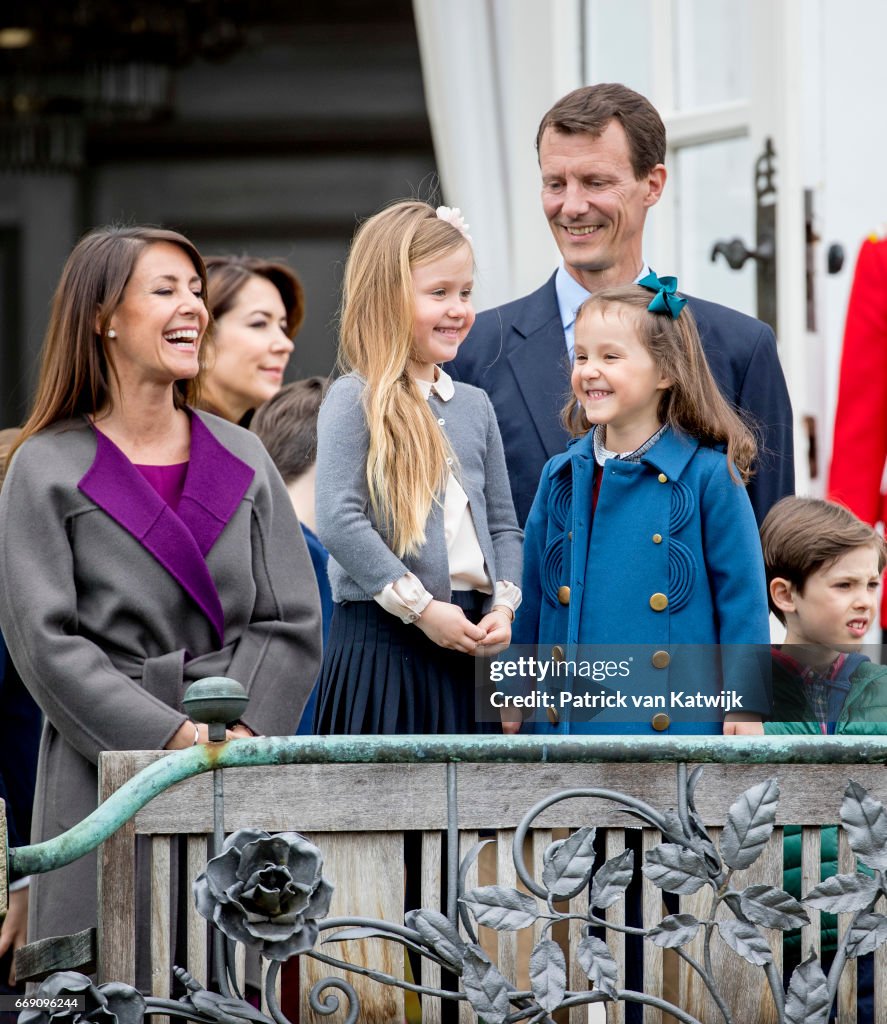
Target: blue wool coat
x=517 y=354
x=673 y=559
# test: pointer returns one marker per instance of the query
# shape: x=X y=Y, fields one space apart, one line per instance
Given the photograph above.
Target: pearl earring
x=112 y=333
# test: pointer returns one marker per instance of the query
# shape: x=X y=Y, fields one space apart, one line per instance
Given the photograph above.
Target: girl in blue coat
x=641 y=533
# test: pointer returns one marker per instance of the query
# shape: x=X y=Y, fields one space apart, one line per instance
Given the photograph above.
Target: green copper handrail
x=183 y=764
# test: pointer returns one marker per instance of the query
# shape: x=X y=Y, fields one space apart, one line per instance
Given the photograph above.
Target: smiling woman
x=258 y=307
x=152 y=545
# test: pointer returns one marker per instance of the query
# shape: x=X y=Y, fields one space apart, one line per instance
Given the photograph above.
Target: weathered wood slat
x=240 y=968
x=431 y=896
x=767 y=871
x=367 y=870
x=467 y=839
x=690 y=989
x=614 y=845
x=264 y=966
x=847 y=984
x=524 y=937
x=736 y=978
x=577 y=979
x=38 y=960
x=880 y=970
x=116 y=881
x=197 y=926
x=506 y=875
x=811 y=847
x=347 y=797
x=653 y=912
x=161 y=958
x=542 y=839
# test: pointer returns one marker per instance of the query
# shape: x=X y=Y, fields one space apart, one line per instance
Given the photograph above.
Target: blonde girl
x=642 y=532
x=413 y=501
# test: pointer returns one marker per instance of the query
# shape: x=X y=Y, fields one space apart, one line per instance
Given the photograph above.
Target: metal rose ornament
x=113 y=1003
x=266 y=892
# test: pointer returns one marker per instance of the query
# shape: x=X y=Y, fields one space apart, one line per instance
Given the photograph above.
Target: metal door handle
x=736 y=254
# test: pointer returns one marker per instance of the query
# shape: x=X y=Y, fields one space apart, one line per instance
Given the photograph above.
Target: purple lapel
x=214 y=487
x=178 y=542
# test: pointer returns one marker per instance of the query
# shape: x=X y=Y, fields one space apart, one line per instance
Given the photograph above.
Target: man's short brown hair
x=590 y=109
x=287 y=426
x=800 y=536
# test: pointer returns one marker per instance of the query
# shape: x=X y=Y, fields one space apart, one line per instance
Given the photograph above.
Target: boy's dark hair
x=590 y=109
x=800 y=536
x=287 y=426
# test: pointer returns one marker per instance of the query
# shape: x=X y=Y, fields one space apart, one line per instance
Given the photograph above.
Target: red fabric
x=859 y=450
x=596 y=487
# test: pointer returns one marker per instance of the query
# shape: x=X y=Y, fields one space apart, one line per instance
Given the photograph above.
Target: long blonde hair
x=407 y=459
x=693 y=403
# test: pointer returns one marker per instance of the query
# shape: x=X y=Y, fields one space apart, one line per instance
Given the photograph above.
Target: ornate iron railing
x=268 y=892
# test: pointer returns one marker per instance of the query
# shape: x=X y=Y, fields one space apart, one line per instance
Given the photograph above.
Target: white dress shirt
x=406 y=597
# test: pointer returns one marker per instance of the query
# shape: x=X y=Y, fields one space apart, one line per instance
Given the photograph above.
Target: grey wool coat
x=361 y=562
x=112 y=603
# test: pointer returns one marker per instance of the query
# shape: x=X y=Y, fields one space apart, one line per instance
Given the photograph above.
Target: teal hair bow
x=665 y=300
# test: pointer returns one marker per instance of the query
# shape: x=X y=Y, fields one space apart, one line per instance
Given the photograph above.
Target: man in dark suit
x=601 y=151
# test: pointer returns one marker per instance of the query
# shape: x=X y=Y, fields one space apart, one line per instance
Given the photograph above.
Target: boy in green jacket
x=823 y=568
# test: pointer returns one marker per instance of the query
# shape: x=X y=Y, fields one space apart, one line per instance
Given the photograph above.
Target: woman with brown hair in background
x=258 y=307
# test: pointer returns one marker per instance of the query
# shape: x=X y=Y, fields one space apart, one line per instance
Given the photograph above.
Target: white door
x=724 y=76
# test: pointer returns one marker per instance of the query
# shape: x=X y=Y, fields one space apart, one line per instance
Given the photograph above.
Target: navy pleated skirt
x=384 y=676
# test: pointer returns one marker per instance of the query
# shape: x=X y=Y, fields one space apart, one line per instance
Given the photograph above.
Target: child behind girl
x=641 y=532
x=823 y=570
x=413 y=501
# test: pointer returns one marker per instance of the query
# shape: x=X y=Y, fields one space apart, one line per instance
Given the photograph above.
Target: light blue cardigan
x=361 y=562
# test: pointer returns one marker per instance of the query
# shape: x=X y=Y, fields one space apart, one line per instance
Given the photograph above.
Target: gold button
x=657 y=538
x=563 y=595
x=662 y=478
x=660 y=721
x=553 y=716
x=661 y=659
x=659 y=602
x=557 y=652
x=570 y=535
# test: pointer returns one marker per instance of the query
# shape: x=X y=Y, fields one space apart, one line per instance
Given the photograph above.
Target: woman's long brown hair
x=74 y=369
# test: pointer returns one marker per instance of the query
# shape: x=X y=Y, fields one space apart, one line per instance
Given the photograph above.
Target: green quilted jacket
x=864 y=714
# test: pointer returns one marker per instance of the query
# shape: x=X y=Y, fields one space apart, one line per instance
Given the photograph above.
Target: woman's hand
x=497 y=623
x=14 y=933
x=739 y=723
x=448 y=626
x=184 y=736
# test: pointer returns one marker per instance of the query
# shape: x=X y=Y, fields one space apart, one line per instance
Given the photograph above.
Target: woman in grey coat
x=143 y=545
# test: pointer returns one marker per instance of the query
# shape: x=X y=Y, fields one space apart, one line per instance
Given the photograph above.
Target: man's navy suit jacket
x=518 y=355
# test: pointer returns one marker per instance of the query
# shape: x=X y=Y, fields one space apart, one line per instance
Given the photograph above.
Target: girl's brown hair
x=693 y=403
x=75 y=371
x=407 y=459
